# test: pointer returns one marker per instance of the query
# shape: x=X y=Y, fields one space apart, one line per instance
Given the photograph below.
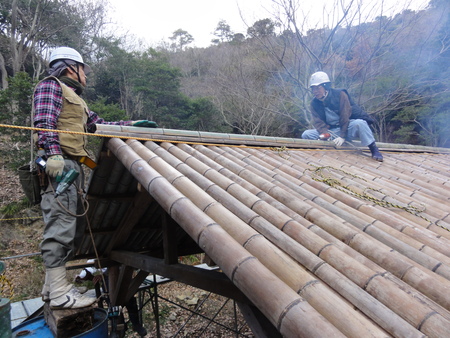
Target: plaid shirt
x=48 y=101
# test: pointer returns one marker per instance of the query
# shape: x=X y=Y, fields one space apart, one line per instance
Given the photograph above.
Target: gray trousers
x=63 y=231
x=356 y=129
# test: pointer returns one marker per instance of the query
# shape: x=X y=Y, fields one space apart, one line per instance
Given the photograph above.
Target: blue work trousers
x=357 y=129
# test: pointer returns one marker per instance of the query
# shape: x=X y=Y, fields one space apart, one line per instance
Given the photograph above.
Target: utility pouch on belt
x=30 y=181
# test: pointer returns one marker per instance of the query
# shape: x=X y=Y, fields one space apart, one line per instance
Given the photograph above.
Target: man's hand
x=339 y=141
x=55 y=166
x=145 y=124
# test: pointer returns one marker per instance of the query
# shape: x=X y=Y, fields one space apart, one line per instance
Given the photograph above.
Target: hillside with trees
x=395 y=66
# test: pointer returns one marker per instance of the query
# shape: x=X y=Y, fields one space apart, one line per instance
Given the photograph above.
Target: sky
x=154 y=21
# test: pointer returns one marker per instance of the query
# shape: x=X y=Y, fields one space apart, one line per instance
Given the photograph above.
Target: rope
x=280 y=150
x=19 y=218
x=6 y=286
x=319 y=176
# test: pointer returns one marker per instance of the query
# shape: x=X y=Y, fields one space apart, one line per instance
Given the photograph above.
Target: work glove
x=144 y=124
x=339 y=141
x=55 y=166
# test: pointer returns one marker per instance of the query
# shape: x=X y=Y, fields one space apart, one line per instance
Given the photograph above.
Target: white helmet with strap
x=319 y=78
x=67 y=53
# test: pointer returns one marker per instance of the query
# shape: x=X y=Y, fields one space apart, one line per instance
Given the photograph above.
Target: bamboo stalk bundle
x=391 y=174
x=437 y=190
x=420 y=168
x=375 y=177
x=389 y=299
x=427 y=282
x=417 y=236
x=332 y=307
x=387 y=172
x=385 y=192
x=385 y=216
x=290 y=314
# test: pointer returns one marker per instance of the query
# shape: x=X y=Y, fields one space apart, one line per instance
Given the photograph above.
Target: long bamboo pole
x=286 y=310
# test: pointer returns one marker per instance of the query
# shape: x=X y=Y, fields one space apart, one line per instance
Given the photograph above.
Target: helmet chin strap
x=75 y=71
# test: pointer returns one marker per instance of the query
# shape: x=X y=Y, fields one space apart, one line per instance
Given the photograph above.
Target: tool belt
x=83 y=160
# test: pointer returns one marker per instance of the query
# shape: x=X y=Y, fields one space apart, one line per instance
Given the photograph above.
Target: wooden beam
x=169 y=239
x=119 y=281
x=208 y=280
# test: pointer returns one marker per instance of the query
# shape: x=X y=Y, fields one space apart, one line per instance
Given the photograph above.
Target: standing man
x=58 y=106
x=333 y=110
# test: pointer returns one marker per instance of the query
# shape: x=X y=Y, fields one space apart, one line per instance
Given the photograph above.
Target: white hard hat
x=318 y=78
x=67 y=53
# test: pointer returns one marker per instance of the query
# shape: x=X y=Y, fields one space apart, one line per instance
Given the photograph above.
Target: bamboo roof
x=324 y=242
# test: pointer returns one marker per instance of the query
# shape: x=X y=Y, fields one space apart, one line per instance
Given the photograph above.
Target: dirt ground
x=20 y=235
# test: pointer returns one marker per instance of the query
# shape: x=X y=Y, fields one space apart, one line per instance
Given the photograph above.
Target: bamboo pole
x=286 y=310
x=332 y=307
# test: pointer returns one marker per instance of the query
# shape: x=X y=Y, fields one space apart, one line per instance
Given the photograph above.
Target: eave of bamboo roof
x=368 y=256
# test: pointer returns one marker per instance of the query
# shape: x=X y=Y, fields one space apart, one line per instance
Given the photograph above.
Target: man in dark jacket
x=333 y=111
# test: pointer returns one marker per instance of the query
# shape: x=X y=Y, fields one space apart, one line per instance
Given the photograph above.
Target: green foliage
x=109 y=112
x=14 y=208
x=15 y=101
x=15 y=109
x=180 y=39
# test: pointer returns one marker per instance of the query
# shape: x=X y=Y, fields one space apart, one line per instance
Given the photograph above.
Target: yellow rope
x=280 y=151
x=18 y=219
x=277 y=149
x=5 y=287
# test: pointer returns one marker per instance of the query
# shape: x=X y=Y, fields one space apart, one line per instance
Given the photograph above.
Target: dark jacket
x=339 y=101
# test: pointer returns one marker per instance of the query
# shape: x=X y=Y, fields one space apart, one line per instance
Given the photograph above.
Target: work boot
x=64 y=295
x=46 y=289
x=376 y=155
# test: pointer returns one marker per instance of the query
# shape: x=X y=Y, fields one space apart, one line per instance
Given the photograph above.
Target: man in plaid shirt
x=58 y=106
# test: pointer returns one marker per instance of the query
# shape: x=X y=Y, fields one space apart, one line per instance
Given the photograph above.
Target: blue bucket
x=38 y=328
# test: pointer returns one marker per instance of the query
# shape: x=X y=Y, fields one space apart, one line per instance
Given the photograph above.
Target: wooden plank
x=212 y=281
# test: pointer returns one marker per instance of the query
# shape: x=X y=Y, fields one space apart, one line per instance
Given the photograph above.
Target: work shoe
x=46 y=291
x=376 y=155
x=72 y=300
x=62 y=294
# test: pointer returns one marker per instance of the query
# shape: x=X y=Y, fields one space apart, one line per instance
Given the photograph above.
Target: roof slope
x=323 y=242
